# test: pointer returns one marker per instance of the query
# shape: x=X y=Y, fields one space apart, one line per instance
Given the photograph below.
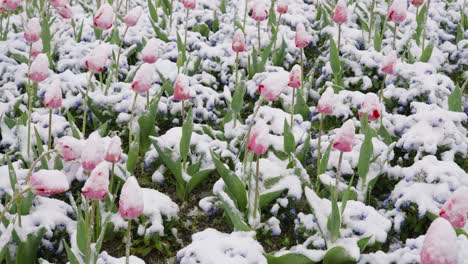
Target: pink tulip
x=143 y=78
x=455 y=209
x=65 y=12
x=340 y=15
x=114 y=150
x=282 y=6
x=131 y=203
x=181 y=88
x=53 y=95
x=389 y=63
x=32 y=31
x=69 y=148
x=96 y=60
x=238 y=41
x=48 y=182
x=58 y=3
x=327 y=101
x=259 y=10
x=417 y=3
x=96 y=186
x=132 y=17
x=104 y=17
x=93 y=152
x=259 y=139
x=371 y=106
x=150 y=52
x=295 y=77
x=302 y=39
x=440 y=244
x=36 y=48
x=273 y=85
x=39 y=69
x=9 y=5
x=344 y=137
x=397 y=11
x=189 y=4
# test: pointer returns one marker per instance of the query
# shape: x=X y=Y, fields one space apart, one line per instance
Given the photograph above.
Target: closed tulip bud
x=397 y=11
x=189 y=4
x=238 y=41
x=302 y=39
x=53 y=95
x=10 y=5
x=104 y=17
x=259 y=140
x=65 y=12
x=131 y=203
x=273 y=85
x=150 y=52
x=417 y=3
x=455 y=209
x=96 y=60
x=344 y=137
x=39 y=69
x=282 y=6
x=96 y=186
x=48 y=182
x=440 y=244
x=36 y=48
x=259 y=10
x=114 y=150
x=295 y=77
x=131 y=19
x=326 y=103
x=181 y=88
x=143 y=78
x=340 y=15
x=69 y=148
x=58 y=3
x=93 y=152
x=389 y=63
x=371 y=106
x=32 y=31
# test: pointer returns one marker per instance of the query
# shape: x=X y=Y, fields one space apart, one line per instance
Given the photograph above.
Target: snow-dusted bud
x=302 y=39
x=143 y=78
x=440 y=244
x=259 y=139
x=32 y=30
x=345 y=137
x=340 y=15
x=259 y=10
x=39 y=69
x=96 y=186
x=326 y=103
x=96 y=60
x=181 y=88
x=389 y=63
x=104 y=17
x=371 y=106
x=397 y=11
x=92 y=153
x=238 y=41
x=455 y=209
x=48 y=182
x=132 y=17
x=114 y=150
x=131 y=202
x=69 y=148
x=53 y=95
x=295 y=77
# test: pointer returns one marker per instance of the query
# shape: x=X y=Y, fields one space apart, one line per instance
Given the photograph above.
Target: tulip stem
x=131 y=120
x=292 y=107
x=118 y=56
x=49 y=139
x=29 y=91
x=302 y=71
x=259 y=40
x=394 y=35
x=182 y=111
x=319 y=153
x=85 y=105
x=147 y=99
x=247 y=136
x=186 y=28
x=371 y=22
x=339 y=38
x=170 y=15
x=112 y=178
x=234 y=115
x=381 y=88
x=338 y=175
x=128 y=241
x=7 y=206
x=277 y=30
x=90 y=233
x=257 y=191
x=245 y=16
x=425 y=22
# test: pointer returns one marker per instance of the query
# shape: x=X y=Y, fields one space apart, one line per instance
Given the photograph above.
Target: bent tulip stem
x=128 y=241
x=45 y=153
x=319 y=152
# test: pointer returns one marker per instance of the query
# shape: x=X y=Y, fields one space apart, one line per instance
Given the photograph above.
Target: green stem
x=128 y=241
x=49 y=139
x=147 y=99
x=45 y=153
x=245 y=16
x=90 y=234
x=292 y=107
x=425 y=23
x=381 y=88
x=131 y=120
x=186 y=28
x=247 y=136
x=302 y=71
x=236 y=84
x=85 y=105
x=7 y=206
x=277 y=30
x=338 y=175
x=339 y=38
x=118 y=56
x=371 y=22
x=29 y=91
x=257 y=191
x=170 y=15
x=111 y=185
x=394 y=35
x=319 y=153
x=259 y=41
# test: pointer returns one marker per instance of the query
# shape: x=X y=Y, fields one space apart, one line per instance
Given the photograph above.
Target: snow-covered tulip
x=389 y=63
x=104 y=17
x=295 y=77
x=273 y=85
x=58 y=3
x=417 y=3
x=32 y=30
x=53 y=95
x=131 y=199
x=39 y=69
x=181 y=88
x=96 y=60
x=143 y=78
x=327 y=102
x=345 y=137
x=340 y=14
x=150 y=52
x=9 y=5
x=93 y=152
x=455 y=209
x=48 y=182
x=65 y=12
x=259 y=10
x=114 y=150
x=259 y=139
x=132 y=17
x=282 y=6
x=189 y=4
x=96 y=186
x=302 y=39
x=36 y=48
x=238 y=41
x=440 y=244
x=397 y=11
x=371 y=106
x=69 y=148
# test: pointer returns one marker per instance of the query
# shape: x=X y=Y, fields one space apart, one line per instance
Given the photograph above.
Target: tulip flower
x=282 y=7
x=340 y=16
x=58 y=3
x=39 y=70
x=371 y=107
x=113 y=155
x=344 y=137
x=104 y=17
x=65 y=12
x=182 y=91
x=238 y=45
x=150 y=52
x=48 y=182
x=440 y=244
x=132 y=17
x=295 y=81
x=189 y=4
x=131 y=206
x=32 y=30
x=388 y=67
x=36 y=49
x=455 y=209
x=259 y=14
x=96 y=186
x=417 y=3
x=397 y=14
x=143 y=78
x=96 y=60
x=52 y=100
x=10 y=5
x=92 y=153
x=273 y=85
x=301 y=40
x=69 y=148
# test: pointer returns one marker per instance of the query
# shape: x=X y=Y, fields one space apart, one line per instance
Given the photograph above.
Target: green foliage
x=27 y=250
x=338 y=255
x=427 y=52
x=455 y=100
x=235 y=216
x=289 y=258
x=288 y=139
